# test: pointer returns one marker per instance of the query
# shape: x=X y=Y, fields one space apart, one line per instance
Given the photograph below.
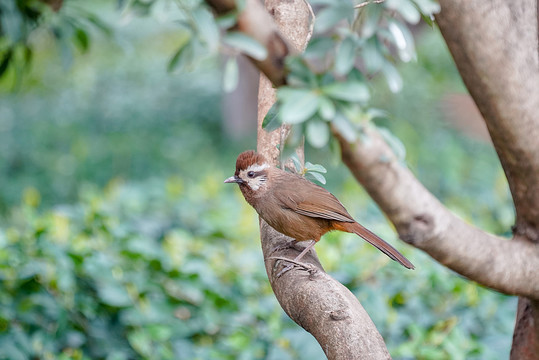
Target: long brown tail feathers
x=377 y=242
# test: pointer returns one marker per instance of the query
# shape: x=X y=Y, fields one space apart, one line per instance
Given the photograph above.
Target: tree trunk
x=495 y=47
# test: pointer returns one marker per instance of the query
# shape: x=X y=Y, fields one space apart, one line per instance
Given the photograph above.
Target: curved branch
x=495 y=47
x=320 y=304
x=421 y=220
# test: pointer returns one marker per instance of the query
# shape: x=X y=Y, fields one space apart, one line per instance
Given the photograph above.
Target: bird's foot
x=285 y=245
x=308 y=267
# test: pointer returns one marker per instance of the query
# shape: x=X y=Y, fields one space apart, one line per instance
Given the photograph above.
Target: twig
x=358 y=6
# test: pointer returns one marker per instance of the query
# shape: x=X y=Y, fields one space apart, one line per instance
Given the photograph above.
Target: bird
x=298 y=208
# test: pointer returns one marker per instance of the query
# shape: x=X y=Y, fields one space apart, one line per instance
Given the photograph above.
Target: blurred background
x=119 y=240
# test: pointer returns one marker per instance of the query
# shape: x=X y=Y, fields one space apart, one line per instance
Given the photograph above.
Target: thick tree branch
x=320 y=304
x=495 y=47
x=421 y=220
x=526 y=334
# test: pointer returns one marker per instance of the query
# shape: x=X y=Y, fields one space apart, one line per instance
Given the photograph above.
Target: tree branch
x=495 y=47
x=363 y=4
x=421 y=220
x=320 y=304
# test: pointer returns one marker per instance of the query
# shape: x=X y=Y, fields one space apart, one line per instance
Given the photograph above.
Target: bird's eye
x=251 y=174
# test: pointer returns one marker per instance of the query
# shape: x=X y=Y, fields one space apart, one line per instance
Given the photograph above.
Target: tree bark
x=422 y=221
x=495 y=47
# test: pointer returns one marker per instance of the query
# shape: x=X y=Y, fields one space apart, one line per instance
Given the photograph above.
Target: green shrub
x=173 y=270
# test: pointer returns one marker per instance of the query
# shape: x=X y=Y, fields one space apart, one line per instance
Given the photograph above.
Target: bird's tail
x=376 y=241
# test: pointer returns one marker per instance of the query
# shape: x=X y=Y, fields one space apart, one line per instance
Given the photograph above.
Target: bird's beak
x=234 y=179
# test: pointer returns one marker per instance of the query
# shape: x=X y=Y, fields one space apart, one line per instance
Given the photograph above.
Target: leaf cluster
x=21 y=21
x=328 y=85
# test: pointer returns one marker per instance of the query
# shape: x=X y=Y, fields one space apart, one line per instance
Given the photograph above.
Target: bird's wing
x=312 y=200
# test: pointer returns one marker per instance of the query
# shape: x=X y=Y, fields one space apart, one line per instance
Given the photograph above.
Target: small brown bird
x=296 y=207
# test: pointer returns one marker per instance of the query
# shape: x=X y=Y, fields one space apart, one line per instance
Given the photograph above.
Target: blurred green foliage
x=118 y=239
x=171 y=269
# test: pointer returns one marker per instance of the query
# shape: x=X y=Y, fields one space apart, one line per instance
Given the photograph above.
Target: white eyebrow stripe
x=257 y=167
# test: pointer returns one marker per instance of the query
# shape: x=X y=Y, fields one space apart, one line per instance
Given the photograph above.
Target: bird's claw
x=308 y=267
x=284 y=246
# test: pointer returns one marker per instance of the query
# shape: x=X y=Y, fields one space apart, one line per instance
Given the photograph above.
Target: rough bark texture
x=494 y=44
x=495 y=47
x=320 y=304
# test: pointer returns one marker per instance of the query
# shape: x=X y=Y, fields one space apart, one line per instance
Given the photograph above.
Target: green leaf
x=317 y=133
x=114 y=295
x=328 y=17
x=5 y=61
x=393 y=78
x=370 y=17
x=403 y=40
x=315 y=167
x=406 y=8
x=345 y=128
x=318 y=48
x=394 y=143
x=98 y=23
x=428 y=7
x=300 y=75
x=316 y=176
x=297 y=163
x=82 y=39
x=372 y=55
x=271 y=120
x=206 y=27
x=227 y=20
x=141 y=342
x=231 y=74
x=326 y=108
x=352 y=91
x=246 y=44
x=183 y=57
x=294 y=139
x=428 y=19
x=297 y=105
x=374 y=113
x=344 y=60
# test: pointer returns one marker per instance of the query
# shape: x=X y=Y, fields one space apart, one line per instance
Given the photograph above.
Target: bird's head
x=251 y=171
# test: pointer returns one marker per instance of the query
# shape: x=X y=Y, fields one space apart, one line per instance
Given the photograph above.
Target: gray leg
x=296 y=261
